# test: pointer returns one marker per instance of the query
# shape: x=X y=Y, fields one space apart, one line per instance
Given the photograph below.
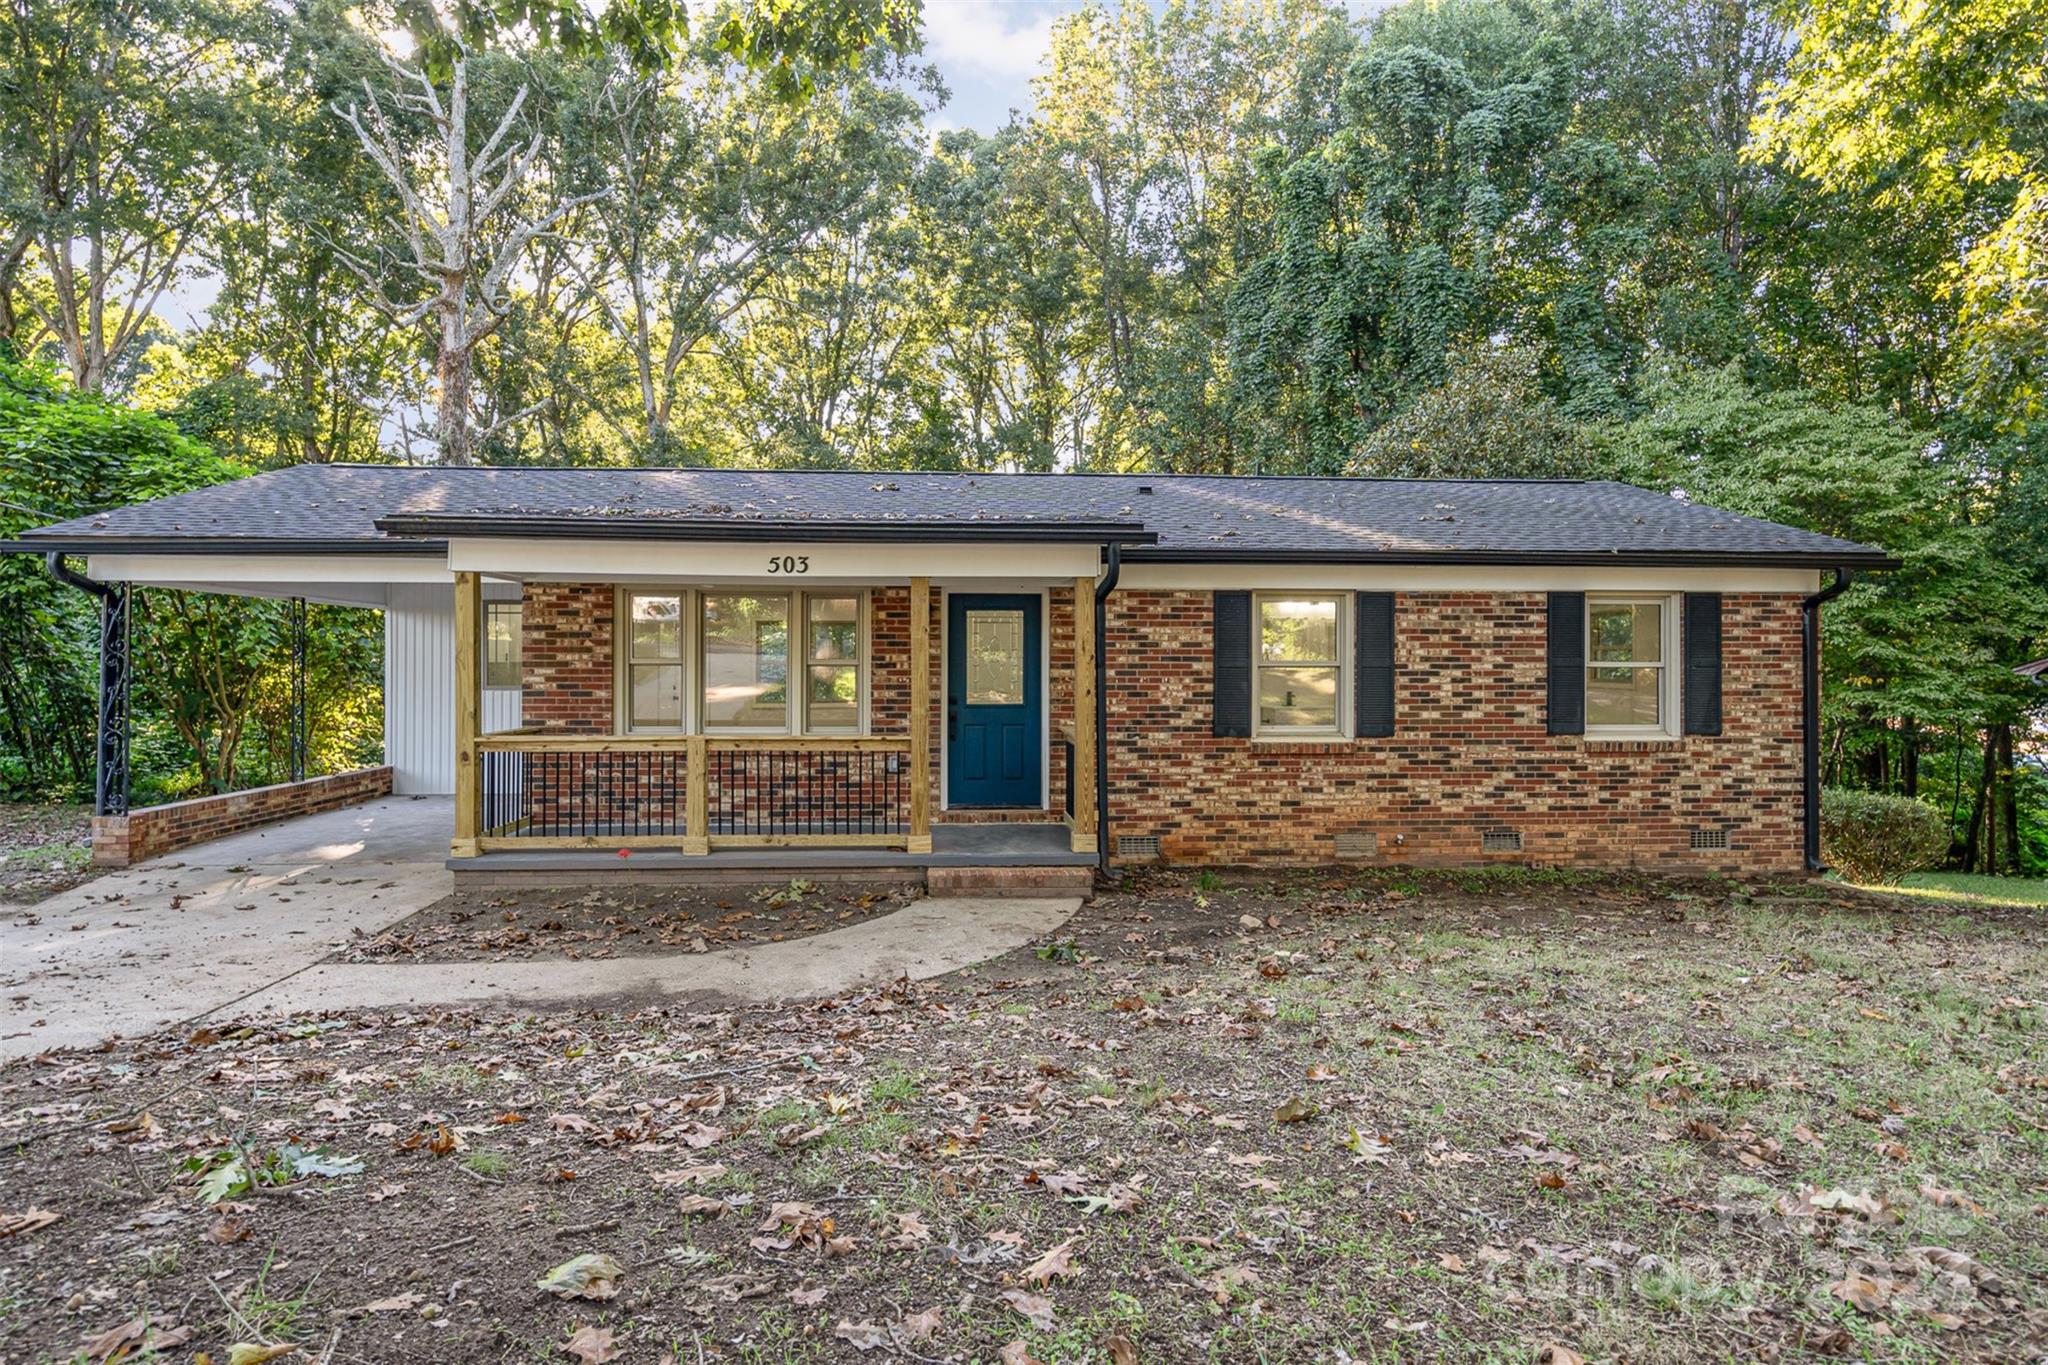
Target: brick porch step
x=1010 y=881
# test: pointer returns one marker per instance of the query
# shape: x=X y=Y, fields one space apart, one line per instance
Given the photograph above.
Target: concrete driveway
x=185 y=935
x=241 y=927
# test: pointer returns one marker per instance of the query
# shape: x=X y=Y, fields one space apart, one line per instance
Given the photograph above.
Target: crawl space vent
x=1501 y=841
x=1358 y=843
x=1703 y=839
x=1137 y=846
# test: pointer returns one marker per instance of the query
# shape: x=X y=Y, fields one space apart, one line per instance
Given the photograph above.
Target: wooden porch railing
x=695 y=793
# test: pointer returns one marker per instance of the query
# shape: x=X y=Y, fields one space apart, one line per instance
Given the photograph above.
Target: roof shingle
x=1194 y=516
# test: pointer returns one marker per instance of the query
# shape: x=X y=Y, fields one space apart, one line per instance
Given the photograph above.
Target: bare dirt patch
x=44 y=849
x=1401 y=1118
x=524 y=925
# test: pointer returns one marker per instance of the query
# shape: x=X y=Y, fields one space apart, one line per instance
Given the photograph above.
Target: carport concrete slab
x=169 y=940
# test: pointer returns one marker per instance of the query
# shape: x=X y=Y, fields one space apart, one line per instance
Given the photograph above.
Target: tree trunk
x=1909 y=757
x=2009 y=806
x=1973 y=842
x=452 y=373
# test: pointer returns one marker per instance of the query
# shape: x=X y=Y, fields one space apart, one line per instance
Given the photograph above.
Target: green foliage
x=791 y=42
x=63 y=453
x=1927 y=107
x=1876 y=838
x=1933 y=640
x=1490 y=420
x=212 y=672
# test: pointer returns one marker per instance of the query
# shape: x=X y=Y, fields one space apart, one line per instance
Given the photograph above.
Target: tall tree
x=464 y=235
x=125 y=129
x=719 y=190
x=1929 y=108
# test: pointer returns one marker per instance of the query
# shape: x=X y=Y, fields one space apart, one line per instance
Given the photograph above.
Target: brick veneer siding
x=152 y=831
x=1470 y=752
x=566 y=657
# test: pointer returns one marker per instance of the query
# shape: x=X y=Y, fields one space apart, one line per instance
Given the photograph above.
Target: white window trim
x=1667 y=666
x=692 y=660
x=1346 y=662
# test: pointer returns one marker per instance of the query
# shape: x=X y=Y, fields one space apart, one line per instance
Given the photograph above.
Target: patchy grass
x=1974 y=886
x=44 y=849
x=1232 y=1119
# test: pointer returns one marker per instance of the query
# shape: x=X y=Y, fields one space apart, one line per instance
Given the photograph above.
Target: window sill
x=1302 y=741
x=1598 y=743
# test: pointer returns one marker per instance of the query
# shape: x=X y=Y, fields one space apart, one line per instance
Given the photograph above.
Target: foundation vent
x=1358 y=843
x=1705 y=839
x=1137 y=847
x=1501 y=841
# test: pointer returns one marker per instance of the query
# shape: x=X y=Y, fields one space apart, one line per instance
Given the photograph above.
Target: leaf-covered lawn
x=44 y=849
x=1383 y=1119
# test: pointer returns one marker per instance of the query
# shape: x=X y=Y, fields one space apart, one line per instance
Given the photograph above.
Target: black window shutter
x=1232 y=715
x=1567 y=663
x=1375 y=682
x=1702 y=653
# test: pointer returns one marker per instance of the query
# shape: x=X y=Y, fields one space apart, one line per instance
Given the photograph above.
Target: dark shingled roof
x=329 y=508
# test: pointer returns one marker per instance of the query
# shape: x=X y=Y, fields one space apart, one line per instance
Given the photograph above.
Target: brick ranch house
x=749 y=670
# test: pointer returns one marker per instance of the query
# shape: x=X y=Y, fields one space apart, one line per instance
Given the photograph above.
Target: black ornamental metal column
x=110 y=765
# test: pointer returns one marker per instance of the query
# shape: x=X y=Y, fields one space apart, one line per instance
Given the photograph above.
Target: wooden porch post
x=697 y=800
x=920 y=838
x=1082 y=827
x=469 y=597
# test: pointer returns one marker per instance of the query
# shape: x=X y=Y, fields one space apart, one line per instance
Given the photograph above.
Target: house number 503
x=789 y=564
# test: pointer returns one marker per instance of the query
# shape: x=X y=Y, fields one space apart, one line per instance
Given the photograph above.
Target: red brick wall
x=566 y=657
x=119 y=840
x=1470 y=753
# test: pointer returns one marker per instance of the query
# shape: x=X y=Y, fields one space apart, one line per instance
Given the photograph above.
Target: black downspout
x=1103 y=588
x=1809 y=631
x=110 y=765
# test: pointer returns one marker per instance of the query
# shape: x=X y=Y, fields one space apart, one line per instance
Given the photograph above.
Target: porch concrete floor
x=171 y=940
x=241 y=927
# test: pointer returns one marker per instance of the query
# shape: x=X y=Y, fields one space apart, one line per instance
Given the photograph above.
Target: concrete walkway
x=926 y=938
x=242 y=927
x=169 y=940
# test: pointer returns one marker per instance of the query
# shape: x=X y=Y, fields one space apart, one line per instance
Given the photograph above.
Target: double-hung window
x=745 y=662
x=501 y=644
x=832 y=664
x=1630 y=684
x=654 y=661
x=1298 y=664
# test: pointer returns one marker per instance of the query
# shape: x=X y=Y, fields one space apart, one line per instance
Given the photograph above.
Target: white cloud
x=1005 y=41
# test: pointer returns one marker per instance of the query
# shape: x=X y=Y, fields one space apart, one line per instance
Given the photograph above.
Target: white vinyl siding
x=419 y=688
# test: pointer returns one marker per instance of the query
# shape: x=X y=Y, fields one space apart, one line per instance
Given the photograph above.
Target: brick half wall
x=151 y=832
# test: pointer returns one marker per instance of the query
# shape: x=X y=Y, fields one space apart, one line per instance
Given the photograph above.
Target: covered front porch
x=751 y=708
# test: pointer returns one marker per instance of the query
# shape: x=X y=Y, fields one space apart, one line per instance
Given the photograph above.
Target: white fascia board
x=833 y=563
x=168 y=570
x=1465 y=578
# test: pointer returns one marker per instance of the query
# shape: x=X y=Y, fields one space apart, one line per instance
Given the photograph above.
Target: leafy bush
x=1876 y=838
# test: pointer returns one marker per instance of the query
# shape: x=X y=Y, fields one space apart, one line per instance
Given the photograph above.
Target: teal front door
x=995 y=726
